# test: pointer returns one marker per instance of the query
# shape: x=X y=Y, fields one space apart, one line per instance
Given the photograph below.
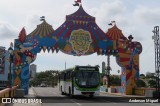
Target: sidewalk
x=31 y=94
x=121 y=95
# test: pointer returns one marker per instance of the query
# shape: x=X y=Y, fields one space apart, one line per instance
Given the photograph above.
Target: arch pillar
x=22 y=59
x=128 y=60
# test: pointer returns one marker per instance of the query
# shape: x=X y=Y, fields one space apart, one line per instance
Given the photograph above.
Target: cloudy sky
x=136 y=17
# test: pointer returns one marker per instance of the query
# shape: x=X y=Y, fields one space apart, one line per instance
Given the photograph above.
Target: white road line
x=54 y=93
x=109 y=101
x=114 y=103
x=153 y=104
x=76 y=102
x=105 y=100
x=61 y=95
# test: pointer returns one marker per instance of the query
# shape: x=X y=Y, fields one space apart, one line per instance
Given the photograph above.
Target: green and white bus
x=80 y=80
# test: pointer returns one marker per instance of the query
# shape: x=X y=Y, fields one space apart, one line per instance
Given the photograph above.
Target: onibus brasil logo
x=80 y=41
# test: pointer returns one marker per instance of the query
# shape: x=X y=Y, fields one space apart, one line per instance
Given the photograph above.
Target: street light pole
x=108 y=68
x=53 y=74
x=10 y=50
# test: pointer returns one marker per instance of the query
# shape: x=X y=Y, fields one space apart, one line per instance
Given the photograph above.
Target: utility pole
x=156 y=39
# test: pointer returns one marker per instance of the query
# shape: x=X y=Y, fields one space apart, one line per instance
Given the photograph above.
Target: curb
x=112 y=93
x=118 y=94
x=2 y=104
x=35 y=94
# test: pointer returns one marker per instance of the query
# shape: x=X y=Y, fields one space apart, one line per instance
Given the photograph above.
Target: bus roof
x=75 y=67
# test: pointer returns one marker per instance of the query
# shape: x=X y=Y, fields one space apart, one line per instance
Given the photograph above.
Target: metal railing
x=5 y=92
x=139 y=91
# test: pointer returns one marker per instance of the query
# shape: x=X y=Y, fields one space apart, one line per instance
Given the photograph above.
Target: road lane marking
x=76 y=102
x=152 y=104
x=54 y=93
x=114 y=103
x=109 y=101
x=61 y=95
x=105 y=100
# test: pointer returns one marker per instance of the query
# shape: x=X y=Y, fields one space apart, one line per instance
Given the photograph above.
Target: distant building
x=32 y=70
x=4 y=66
x=150 y=74
x=103 y=67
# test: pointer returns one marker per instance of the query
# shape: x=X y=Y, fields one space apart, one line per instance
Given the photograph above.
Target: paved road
x=52 y=97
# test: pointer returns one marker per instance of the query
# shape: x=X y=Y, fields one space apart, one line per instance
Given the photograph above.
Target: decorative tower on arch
x=26 y=48
x=127 y=58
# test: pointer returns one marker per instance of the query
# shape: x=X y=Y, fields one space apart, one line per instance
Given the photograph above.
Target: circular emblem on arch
x=80 y=41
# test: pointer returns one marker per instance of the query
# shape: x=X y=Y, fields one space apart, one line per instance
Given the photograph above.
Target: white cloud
x=31 y=22
x=7 y=34
x=117 y=11
x=147 y=16
x=7 y=31
x=108 y=12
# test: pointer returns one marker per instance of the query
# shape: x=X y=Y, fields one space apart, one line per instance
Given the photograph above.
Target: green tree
x=115 y=80
x=150 y=75
x=142 y=76
x=51 y=78
x=140 y=83
x=152 y=83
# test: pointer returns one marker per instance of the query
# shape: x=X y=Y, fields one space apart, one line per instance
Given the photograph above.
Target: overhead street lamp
x=53 y=74
x=10 y=51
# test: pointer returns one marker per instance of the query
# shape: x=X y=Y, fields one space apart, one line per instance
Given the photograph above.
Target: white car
x=43 y=85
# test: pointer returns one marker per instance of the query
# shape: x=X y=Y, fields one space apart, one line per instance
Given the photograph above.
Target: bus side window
x=0 y=61
x=64 y=76
x=59 y=78
x=69 y=75
x=72 y=75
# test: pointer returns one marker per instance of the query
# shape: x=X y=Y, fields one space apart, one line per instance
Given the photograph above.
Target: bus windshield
x=87 y=78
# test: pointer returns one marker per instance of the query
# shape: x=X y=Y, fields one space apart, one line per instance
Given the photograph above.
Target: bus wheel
x=62 y=93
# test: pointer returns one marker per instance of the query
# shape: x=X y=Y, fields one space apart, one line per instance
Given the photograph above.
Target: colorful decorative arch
x=78 y=35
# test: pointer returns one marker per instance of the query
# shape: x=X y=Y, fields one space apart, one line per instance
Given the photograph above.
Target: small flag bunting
x=77 y=3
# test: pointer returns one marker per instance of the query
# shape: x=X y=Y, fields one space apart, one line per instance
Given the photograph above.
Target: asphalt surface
x=52 y=97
